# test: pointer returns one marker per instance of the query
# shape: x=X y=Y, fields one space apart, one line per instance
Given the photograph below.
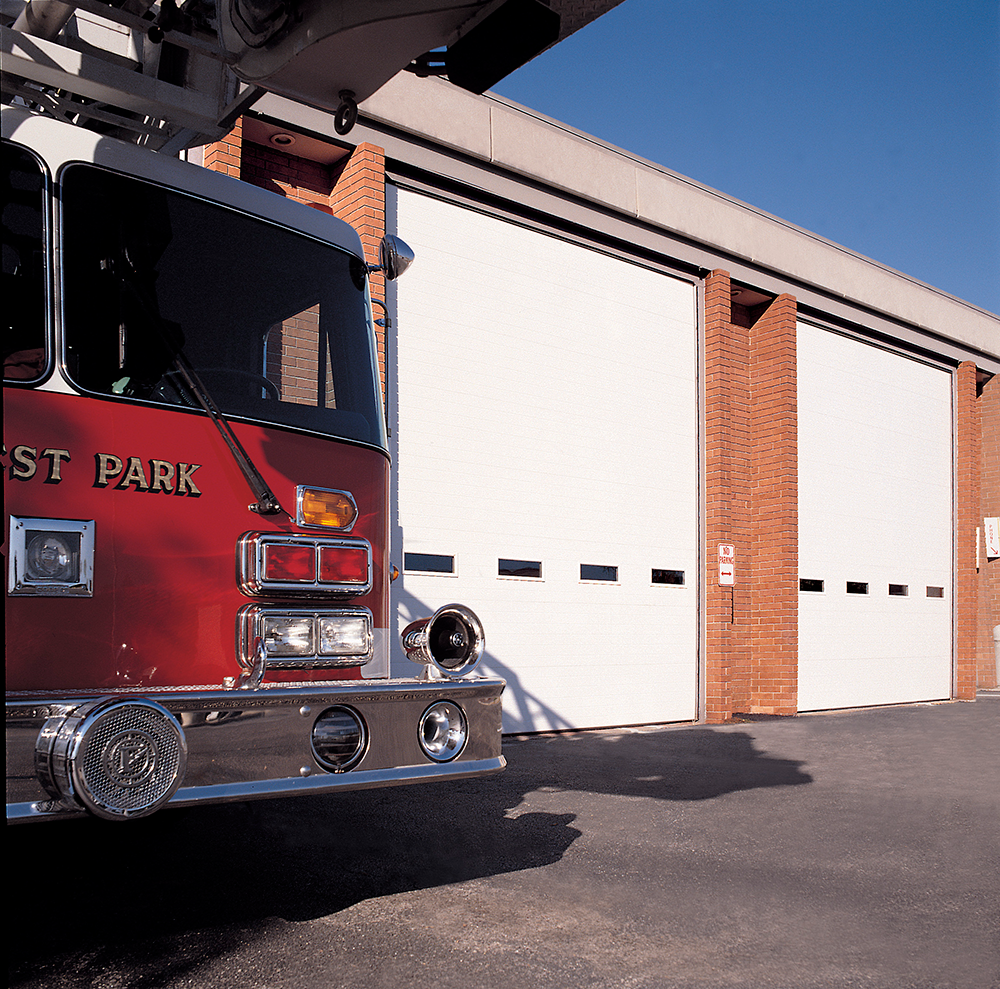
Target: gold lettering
x=184 y=472
x=161 y=473
x=134 y=475
x=108 y=468
x=24 y=465
x=56 y=457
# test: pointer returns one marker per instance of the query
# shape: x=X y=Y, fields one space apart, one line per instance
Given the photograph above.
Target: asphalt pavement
x=852 y=849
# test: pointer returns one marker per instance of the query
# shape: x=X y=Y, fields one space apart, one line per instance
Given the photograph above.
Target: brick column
x=352 y=189
x=989 y=507
x=727 y=496
x=751 y=500
x=967 y=466
x=358 y=196
x=226 y=156
x=774 y=551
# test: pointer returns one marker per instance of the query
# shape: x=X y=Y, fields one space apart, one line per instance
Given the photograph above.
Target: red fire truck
x=196 y=470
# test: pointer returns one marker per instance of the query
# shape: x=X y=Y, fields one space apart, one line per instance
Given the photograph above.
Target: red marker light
x=274 y=563
x=288 y=562
x=343 y=565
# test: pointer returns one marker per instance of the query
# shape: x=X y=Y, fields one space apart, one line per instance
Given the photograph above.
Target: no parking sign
x=727 y=564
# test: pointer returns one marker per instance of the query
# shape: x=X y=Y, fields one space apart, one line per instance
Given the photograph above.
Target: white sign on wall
x=727 y=564
x=992 y=531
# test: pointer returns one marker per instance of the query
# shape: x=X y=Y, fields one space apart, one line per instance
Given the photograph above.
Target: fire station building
x=684 y=459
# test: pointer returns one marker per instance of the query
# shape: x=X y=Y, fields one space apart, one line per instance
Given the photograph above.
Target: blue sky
x=874 y=123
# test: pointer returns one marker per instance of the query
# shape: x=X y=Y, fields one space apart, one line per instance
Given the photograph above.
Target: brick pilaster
x=727 y=495
x=989 y=507
x=967 y=505
x=226 y=156
x=353 y=189
x=751 y=500
x=774 y=578
x=358 y=196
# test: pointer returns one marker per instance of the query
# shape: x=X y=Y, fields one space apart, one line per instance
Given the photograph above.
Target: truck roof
x=58 y=144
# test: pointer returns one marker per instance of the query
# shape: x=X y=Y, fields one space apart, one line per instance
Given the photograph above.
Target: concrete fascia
x=517 y=140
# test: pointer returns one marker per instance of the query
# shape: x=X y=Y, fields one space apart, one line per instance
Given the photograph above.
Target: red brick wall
x=299 y=179
x=988 y=582
x=774 y=518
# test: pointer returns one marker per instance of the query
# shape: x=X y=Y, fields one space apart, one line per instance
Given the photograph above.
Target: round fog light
x=339 y=738
x=443 y=731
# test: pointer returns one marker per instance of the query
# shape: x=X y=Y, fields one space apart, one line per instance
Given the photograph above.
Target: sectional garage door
x=547 y=464
x=875 y=525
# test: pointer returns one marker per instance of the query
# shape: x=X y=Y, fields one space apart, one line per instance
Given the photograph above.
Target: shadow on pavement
x=153 y=899
x=684 y=764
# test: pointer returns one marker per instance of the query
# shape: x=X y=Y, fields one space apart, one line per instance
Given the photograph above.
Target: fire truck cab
x=196 y=472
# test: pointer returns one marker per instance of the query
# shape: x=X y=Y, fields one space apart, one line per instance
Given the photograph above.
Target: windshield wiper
x=136 y=272
x=267 y=503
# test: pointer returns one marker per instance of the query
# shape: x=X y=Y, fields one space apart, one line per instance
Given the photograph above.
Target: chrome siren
x=451 y=640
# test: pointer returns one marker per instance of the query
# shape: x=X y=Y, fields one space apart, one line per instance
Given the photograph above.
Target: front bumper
x=246 y=744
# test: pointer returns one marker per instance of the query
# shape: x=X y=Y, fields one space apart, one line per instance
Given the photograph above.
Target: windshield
x=275 y=324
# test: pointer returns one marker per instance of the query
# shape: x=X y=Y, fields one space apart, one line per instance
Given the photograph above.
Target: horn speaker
x=451 y=640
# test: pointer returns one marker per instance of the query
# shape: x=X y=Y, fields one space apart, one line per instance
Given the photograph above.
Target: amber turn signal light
x=325 y=508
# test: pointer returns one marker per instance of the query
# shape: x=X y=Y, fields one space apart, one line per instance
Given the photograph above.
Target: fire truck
x=196 y=468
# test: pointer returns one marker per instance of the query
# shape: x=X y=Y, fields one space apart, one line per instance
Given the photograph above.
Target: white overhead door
x=875 y=525
x=547 y=465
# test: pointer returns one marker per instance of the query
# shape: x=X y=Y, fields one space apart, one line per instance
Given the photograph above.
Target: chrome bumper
x=246 y=744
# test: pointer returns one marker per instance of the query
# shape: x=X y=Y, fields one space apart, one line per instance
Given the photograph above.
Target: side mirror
x=394 y=257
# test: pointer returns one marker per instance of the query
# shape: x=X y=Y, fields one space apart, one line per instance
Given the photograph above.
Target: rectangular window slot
x=668 y=577
x=935 y=592
x=593 y=571
x=428 y=563
x=857 y=587
x=805 y=584
x=519 y=568
x=899 y=590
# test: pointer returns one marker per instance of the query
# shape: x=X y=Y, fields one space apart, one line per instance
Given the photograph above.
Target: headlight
x=289 y=635
x=305 y=639
x=345 y=635
x=51 y=557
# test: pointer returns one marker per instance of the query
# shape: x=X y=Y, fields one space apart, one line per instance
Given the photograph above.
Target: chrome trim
x=258 y=743
x=313 y=525
x=188 y=796
x=250 y=566
x=249 y=638
x=18 y=581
